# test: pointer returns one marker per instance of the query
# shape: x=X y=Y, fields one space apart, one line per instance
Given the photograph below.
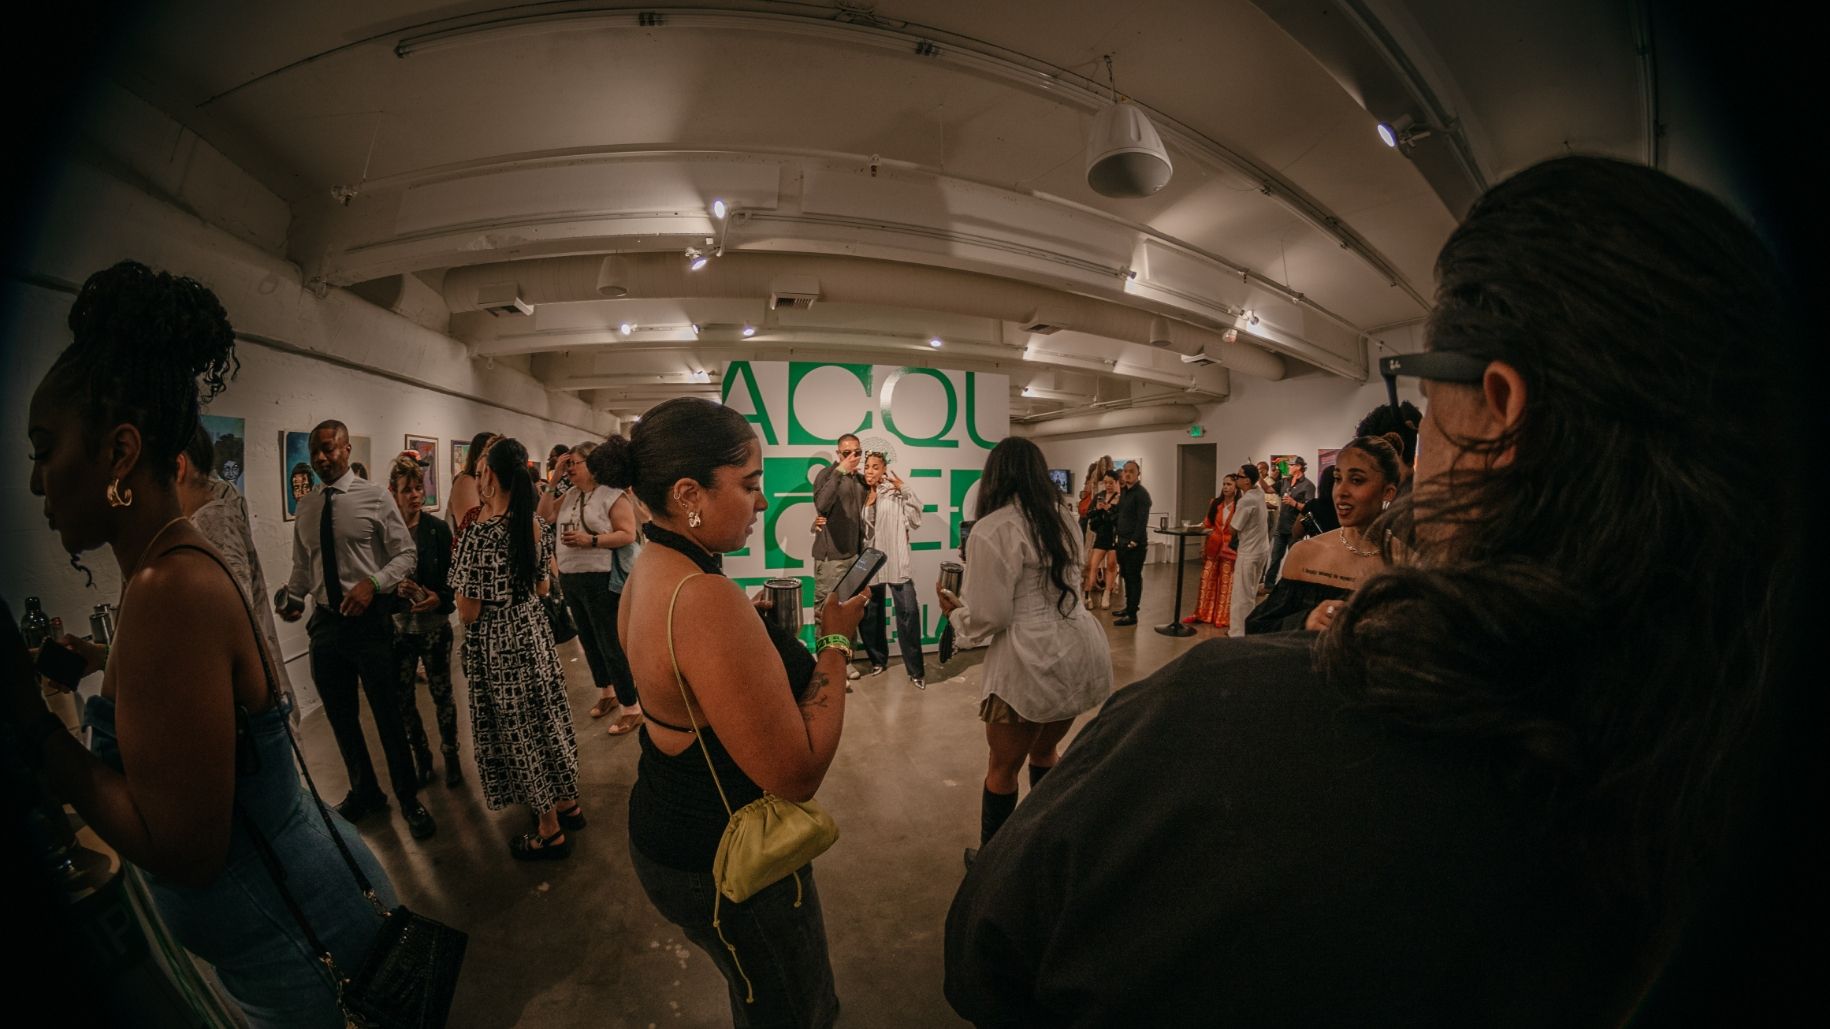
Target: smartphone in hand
x=858 y=576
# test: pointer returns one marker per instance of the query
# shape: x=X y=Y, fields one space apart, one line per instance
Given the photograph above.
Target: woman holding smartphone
x=1103 y=553
x=720 y=687
x=1048 y=661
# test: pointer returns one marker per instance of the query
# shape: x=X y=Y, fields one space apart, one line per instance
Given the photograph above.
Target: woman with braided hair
x=190 y=757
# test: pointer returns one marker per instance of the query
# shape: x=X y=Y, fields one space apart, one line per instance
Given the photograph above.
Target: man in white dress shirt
x=350 y=548
x=1253 y=542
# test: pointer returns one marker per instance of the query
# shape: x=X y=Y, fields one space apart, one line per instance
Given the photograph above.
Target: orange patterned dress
x=1217 y=572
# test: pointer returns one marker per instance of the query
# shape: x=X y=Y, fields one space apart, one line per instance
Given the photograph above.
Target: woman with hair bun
x=165 y=782
x=721 y=687
x=1319 y=572
x=520 y=717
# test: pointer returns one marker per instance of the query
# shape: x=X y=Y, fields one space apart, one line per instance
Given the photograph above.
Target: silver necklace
x=1356 y=551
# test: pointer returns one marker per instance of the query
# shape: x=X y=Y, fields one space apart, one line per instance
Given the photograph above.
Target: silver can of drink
x=784 y=604
x=952 y=574
x=101 y=625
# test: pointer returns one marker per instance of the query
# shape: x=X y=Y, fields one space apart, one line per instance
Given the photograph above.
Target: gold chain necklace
x=1356 y=551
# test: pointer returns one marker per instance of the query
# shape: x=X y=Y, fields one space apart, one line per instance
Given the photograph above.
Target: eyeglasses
x=1434 y=365
x=850 y=453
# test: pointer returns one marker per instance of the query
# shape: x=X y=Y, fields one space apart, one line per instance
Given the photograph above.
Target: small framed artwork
x=427 y=449
x=460 y=453
x=228 y=443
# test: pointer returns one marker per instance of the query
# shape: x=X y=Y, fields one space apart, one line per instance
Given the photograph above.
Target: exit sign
x=1196 y=430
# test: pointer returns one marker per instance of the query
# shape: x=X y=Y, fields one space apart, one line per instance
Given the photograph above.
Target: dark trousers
x=781 y=947
x=1280 y=542
x=908 y=627
x=593 y=605
x=433 y=649
x=1131 y=569
x=343 y=651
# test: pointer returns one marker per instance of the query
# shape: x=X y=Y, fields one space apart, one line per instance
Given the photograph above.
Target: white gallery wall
x=303 y=357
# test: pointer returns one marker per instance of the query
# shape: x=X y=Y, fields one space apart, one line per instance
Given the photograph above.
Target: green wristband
x=835 y=641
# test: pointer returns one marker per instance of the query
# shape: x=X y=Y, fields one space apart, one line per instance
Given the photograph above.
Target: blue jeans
x=908 y=627
x=782 y=948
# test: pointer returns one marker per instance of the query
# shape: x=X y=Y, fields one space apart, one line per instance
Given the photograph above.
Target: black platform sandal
x=573 y=819
x=531 y=846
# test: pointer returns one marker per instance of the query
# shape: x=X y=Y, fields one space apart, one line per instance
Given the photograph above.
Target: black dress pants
x=1131 y=569
x=343 y=652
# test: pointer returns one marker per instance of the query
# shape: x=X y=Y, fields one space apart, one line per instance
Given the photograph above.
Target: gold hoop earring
x=693 y=519
x=118 y=497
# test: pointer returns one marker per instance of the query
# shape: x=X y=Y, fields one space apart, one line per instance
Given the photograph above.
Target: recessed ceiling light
x=934 y=341
x=700 y=262
x=748 y=331
x=718 y=208
x=625 y=328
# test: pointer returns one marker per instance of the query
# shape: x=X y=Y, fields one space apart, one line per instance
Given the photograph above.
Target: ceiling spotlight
x=1402 y=133
x=935 y=342
x=748 y=331
x=1028 y=392
x=625 y=328
x=701 y=375
x=699 y=262
x=1125 y=156
x=695 y=328
x=718 y=208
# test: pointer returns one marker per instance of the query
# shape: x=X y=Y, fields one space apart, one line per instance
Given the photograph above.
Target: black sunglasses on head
x=1434 y=365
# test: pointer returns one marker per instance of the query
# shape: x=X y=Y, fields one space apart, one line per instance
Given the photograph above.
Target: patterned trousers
x=433 y=648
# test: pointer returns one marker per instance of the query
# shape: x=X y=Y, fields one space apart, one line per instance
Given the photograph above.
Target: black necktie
x=327 y=546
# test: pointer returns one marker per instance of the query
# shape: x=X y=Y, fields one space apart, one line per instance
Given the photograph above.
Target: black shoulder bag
x=411 y=972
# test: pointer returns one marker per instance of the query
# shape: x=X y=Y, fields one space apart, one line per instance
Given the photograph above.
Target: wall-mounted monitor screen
x=1062 y=478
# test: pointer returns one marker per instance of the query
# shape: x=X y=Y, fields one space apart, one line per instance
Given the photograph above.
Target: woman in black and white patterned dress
x=519 y=714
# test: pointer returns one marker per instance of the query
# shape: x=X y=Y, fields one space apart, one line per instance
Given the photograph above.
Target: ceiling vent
x=1045 y=321
x=1159 y=333
x=795 y=292
x=503 y=300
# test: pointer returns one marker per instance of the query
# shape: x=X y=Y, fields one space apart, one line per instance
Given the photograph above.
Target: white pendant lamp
x=1125 y=156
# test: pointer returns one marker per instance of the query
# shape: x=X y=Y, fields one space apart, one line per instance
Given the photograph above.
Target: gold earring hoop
x=118 y=497
x=693 y=519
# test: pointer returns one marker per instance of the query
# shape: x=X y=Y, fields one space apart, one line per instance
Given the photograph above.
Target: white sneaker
x=851 y=672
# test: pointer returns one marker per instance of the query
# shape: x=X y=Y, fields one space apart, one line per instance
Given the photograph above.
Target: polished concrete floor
x=575 y=942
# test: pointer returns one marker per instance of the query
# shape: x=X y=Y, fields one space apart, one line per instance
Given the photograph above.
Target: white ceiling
x=470 y=149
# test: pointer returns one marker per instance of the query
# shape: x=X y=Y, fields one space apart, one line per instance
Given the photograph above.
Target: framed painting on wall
x=297 y=478
x=460 y=453
x=427 y=449
x=229 y=440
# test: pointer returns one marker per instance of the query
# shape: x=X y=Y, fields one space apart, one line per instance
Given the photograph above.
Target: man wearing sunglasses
x=838 y=497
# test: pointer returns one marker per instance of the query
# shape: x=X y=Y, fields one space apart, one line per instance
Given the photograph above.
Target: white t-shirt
x=581 y=513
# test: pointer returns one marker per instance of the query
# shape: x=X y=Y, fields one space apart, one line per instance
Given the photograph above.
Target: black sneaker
x=419 y=821
x=354 y=808
x=878 y=669
x=1125 y=620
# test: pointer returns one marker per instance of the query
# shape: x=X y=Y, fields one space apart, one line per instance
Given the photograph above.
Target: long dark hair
x=684 y=438
x=508 y=460
x=1601 y=639
x=1016 y=473
x=475 y=453
x=142 y=342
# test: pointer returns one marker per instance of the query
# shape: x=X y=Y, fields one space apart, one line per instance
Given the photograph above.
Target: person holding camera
x=723 y=688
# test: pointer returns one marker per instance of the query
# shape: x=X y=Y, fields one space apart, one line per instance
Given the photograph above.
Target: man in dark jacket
x=1132 y=524
x=838 y=497
x=1296 y=496
x=422 y=626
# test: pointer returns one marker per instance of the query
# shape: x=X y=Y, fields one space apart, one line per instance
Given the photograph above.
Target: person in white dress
x=1048 y=661
x=1254 y=546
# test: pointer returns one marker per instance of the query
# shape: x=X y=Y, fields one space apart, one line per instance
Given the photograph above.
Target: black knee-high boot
x=994 y=809
x=1036 y=772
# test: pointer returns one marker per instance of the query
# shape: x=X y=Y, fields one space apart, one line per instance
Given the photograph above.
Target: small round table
x=1175 y=626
